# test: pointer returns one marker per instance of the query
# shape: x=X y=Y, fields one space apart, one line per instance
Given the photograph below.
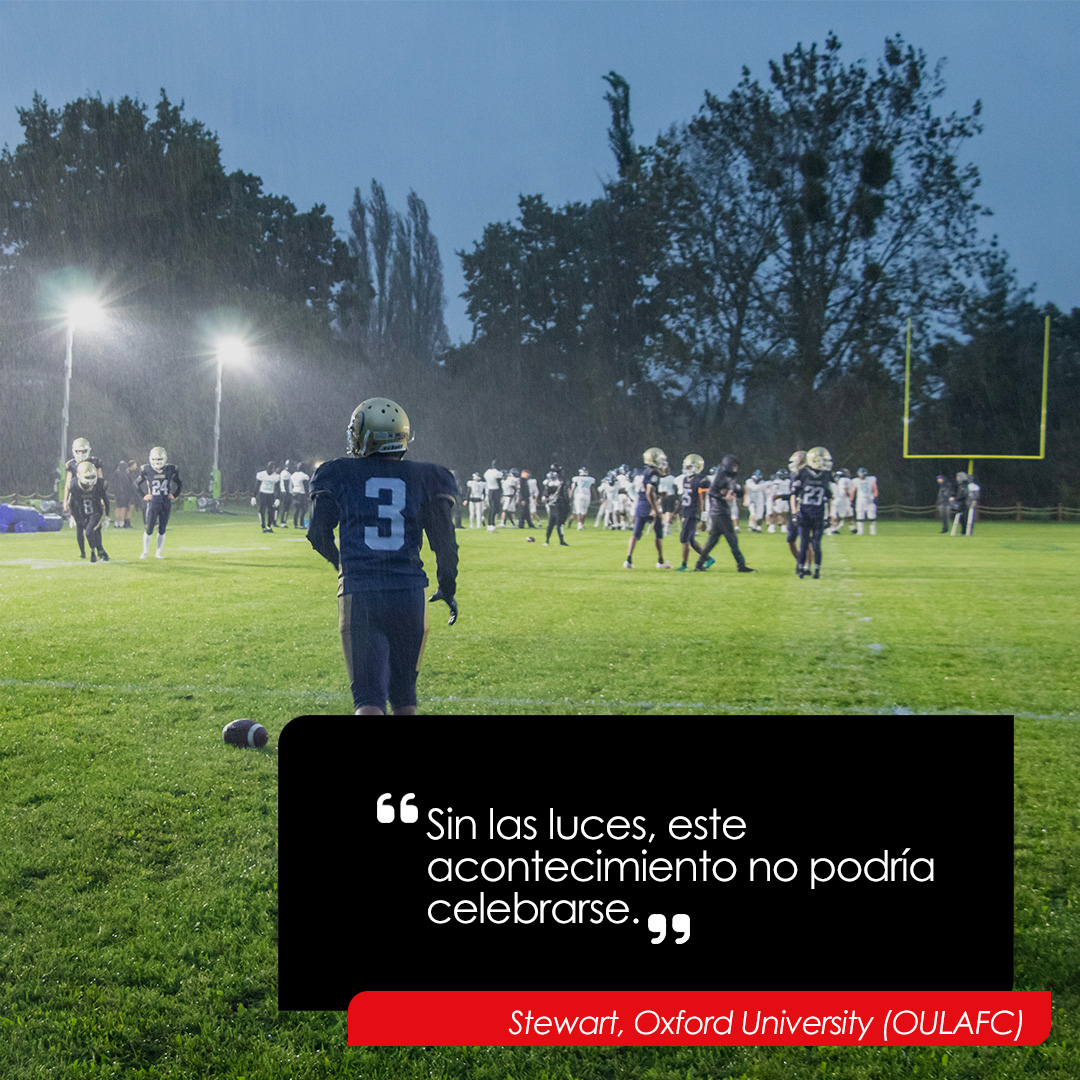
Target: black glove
x=450 y=601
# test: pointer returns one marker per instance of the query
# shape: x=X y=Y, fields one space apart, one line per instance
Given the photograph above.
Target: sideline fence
x=1016 y=512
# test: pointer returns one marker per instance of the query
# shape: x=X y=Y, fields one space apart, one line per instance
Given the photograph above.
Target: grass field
x=138 y=870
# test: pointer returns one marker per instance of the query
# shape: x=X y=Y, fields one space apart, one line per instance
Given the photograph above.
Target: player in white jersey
x=841 y=489
x=493 y=494
x=581 y=495
x=606 y=490
x=509 y=496
x=669 y=499
x=266 y=495
x=530 y=486
x=476 y=488
x=625 y=496
x=866 y=493
x=298 y=491
x=754 y=500
x=781 y=500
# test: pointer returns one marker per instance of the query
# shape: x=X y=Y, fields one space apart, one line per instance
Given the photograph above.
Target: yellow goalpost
x=971 y=458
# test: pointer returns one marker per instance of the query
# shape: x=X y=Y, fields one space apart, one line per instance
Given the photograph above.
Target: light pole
x=231 y=349
x=84 y=314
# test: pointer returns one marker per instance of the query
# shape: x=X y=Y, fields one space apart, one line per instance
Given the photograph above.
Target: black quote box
x=935 y=794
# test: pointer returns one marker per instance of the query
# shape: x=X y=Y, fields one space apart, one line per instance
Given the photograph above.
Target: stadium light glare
x=231 y=350
x=80 y=313
x=84 y=313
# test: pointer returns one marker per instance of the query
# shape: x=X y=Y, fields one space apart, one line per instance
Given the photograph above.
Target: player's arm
x=874 y=489
x=175 y=483
x=439 y=526
x=67 y=490
x=324 y=519
x=105 y=497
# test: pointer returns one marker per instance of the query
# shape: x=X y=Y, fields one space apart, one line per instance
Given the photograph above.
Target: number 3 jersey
x=382 y=507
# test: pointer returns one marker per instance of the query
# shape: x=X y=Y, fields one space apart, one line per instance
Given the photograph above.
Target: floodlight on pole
x=233 y=350
x=83 y=314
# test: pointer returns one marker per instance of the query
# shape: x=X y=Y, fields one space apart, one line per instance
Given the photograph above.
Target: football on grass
x=244 y=733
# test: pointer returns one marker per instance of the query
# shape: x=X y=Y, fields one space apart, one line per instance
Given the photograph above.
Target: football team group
x=370 y=510
x=652 y=497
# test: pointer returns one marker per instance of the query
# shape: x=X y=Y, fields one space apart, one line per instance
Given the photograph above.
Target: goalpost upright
x=971 y=458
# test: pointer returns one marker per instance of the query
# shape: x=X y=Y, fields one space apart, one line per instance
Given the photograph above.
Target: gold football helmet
x=796 y=461
x=693 y=464
x=86 y=475
x=158 y=458
x=378 y=426
x=657 y=458
x=819 y=459
x=80 y=449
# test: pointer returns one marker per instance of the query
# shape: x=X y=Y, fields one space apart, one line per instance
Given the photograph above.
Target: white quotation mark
x=385 y=812
x=658 y=926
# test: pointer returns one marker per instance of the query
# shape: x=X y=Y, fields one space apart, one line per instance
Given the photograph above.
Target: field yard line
x=892 y=710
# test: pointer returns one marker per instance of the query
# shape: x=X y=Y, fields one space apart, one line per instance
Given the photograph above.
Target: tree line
x=741 y=284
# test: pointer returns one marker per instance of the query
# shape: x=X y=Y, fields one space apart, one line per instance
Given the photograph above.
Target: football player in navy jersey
x=89 y=503
x=158 y=483
x=80 y=452
x=690 y=483
x=811 y=486
x=648 y=506
x=381 y=507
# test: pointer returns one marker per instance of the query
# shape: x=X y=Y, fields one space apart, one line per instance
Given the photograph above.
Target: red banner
x=699 y=1018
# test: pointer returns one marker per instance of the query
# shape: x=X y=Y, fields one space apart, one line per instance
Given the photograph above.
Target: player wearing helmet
x=841 y=490
x=754 y=500
x=382 y=506
x=581 y=495
x=648 y=507
x=557 y=499
x=962 y=504
x=158 y=483
x=866 y=493
x=690 y=503
x=89 y=502
x=80 y=452
x=810 y=487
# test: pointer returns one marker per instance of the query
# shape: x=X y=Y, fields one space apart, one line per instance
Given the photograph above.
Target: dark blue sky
x=472 y=104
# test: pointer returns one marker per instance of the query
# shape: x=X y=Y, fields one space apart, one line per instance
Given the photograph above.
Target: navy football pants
x=382 y=636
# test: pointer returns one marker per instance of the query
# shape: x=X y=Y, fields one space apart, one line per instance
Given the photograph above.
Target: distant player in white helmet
x=581 y=495
x=866 y=493
x=754 y=500
x=842 y=489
